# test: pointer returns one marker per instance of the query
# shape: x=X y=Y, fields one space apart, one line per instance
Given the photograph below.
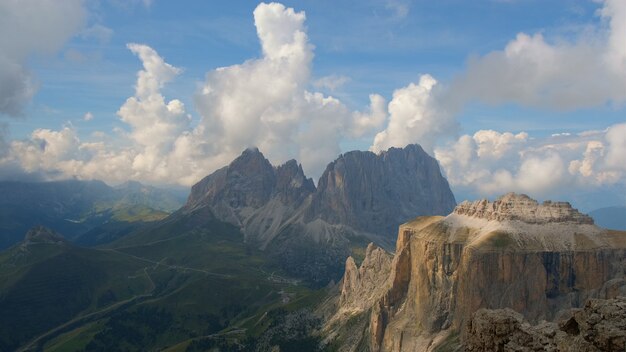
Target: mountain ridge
x=358 y=199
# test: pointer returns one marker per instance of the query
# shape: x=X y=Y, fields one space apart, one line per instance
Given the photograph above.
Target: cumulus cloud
x=37 y=27
x=534 y=71
x=490 y=163
x=88 y=116
x=616 y=140
x=270 y=102
x=415 y=115
x=263 y=102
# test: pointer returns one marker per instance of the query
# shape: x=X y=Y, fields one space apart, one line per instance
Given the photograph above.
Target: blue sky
x=369 y=47
x=378 y=49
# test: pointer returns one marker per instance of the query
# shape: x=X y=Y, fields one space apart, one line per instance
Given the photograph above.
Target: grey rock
x=599 y=326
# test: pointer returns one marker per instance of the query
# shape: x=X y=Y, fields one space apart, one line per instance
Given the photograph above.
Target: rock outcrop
x=360 y=198
x=521 y=207
x=599 y=326
x=538 y=260
x=361 y=287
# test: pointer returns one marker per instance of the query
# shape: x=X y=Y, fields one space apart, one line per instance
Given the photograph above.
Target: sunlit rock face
x=540 y=260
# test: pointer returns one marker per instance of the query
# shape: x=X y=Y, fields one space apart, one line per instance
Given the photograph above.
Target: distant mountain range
x=75 y=208
x=610 y=217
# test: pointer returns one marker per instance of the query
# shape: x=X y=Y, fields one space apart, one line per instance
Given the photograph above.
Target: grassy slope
x=44 y=285
x=207 y=282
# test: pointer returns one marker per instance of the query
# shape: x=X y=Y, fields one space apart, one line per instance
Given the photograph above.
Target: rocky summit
x=361 y=197
x=540 y=261
x=377 y=192
x=520 y=207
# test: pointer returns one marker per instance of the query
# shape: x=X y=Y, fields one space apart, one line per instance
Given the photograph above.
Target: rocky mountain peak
x=41 y=234
x=377 y=192
x=292 y=186
x=246 y=181
x=513 y=206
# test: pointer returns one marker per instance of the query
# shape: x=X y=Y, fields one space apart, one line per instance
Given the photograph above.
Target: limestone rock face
x=362 y=286
x=520 y=207
x=376 y=193
x=447 y=268
x=599 y=326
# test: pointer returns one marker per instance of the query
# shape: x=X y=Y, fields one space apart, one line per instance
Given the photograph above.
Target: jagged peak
x=514 y=206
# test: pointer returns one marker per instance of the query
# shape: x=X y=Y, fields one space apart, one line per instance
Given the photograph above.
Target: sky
x=508 y=95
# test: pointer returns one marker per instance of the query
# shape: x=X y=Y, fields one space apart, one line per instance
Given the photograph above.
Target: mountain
x=610 y=217
x=540 y=260
x=360 y=198
x=376 y=193
x=76 y=207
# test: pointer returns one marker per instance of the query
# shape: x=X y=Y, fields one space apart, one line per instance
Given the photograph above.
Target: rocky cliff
x=377 y=192
x=360 y=197
x=538 y=259
x=599 y=326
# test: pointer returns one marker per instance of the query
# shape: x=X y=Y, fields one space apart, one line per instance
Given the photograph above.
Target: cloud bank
x=43 y=27
x=271 y=102
x=490 y=162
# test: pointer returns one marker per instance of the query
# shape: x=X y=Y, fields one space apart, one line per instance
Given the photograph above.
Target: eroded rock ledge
x=599 y=326
x=513 y=206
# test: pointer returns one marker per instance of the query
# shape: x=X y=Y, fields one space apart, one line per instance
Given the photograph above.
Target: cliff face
x=537 y=259
x=376 y=193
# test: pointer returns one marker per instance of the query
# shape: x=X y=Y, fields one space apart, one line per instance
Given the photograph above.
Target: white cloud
x=491 y=163
x=415 y=116
x=616 y=153
x=35 y=27
x=268 y=102
x=262 y=102
x=532 y=71
x=88 y=116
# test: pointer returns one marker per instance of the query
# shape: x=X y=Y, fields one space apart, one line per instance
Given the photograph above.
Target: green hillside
x=182 y=283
